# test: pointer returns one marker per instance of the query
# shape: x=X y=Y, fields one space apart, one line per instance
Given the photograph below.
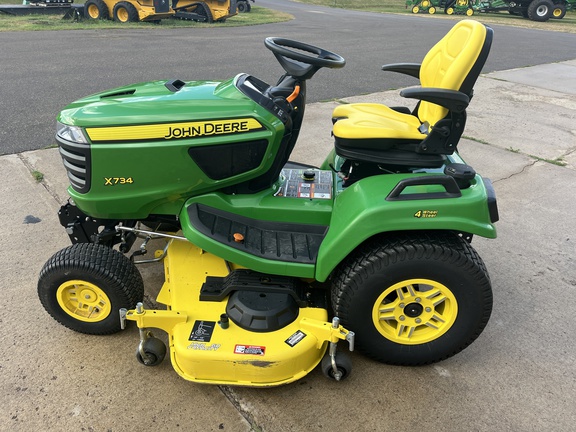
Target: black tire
x=125 y=12
x=413 y=299
x=155 y=351
x=84 y=286
x=559 y=11
x=95 y=10
x=540 y=10
x=242 y=7
x=343 y=364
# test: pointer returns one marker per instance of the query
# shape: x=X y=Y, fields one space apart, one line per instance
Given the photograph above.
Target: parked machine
x=536 y=10
x=155 y=10
x=270 y=263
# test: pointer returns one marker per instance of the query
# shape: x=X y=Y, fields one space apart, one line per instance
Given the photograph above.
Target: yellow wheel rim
x=449 y=11
x=415 y=9
x=415 y=311
x=93 y=11
x=122 y=15
x=432 y=10
x=83 y=301
x=469 y=12
x=425 y=3
x=556 y=12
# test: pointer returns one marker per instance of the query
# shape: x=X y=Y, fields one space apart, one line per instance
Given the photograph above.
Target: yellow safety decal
x=169 y=131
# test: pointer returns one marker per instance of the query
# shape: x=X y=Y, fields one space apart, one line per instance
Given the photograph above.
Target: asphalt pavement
x=519 y=375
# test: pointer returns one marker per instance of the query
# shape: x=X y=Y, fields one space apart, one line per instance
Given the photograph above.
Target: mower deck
x=240 y=335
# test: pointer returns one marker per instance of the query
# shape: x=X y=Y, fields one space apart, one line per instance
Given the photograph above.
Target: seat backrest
x=454 y=63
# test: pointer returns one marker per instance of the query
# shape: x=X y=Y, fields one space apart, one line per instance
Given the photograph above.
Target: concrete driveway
x=520 y=375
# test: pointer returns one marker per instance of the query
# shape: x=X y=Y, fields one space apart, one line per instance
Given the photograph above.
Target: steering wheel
x=301 y=60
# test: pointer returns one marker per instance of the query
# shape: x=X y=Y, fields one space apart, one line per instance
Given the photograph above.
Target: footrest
x=278 y=241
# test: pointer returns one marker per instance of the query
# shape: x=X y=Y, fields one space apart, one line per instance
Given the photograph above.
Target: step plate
x=278 y=241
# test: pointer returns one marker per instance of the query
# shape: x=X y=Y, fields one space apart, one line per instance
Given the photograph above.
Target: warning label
x=250 y=349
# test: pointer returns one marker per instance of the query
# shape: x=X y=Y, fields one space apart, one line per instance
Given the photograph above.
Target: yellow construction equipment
x=155 y=10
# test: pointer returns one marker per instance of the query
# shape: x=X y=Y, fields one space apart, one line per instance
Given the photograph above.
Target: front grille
x=76 y=159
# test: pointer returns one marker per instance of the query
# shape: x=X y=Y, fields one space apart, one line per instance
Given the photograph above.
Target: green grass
x=38 y=176
x=258 y=15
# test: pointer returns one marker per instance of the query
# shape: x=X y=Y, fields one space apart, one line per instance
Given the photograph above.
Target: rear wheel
x=125 y=12
x=85 y=285
x=414 y=299
x=540 y=10
x=415 y=9
x=95 y=9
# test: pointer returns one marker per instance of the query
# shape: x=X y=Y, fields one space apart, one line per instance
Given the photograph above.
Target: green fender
x=362 y=211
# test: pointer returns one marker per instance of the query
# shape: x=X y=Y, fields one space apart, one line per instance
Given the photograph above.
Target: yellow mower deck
x=203 y=350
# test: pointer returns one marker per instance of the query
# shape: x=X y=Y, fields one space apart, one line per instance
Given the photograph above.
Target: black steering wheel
x=301 y=60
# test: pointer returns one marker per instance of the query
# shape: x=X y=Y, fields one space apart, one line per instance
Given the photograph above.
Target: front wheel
x=95 y=9
x=85 y=285
x=414 y=299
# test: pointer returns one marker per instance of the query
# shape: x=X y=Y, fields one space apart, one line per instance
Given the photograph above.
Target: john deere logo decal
x=202 y=129
x=170 y=131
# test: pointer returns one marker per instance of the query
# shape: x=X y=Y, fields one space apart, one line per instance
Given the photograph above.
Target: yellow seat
x=376 y=133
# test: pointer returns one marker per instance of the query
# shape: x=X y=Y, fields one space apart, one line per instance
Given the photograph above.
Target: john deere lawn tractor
x=269 y=264
x=155 y=10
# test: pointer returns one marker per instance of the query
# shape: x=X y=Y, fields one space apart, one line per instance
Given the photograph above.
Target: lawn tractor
x=270 y=263
x=156 y=10
x=424 y=6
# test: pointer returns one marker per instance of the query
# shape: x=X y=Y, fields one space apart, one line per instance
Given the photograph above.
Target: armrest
x=453 y=100
x=412 y=69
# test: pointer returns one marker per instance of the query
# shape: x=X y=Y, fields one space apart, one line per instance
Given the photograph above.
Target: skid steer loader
x=156 y=10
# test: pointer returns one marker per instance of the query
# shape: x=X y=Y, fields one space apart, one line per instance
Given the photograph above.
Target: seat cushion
x=371 y=125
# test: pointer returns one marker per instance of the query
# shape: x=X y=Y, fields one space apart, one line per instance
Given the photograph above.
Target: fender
x=365 y=209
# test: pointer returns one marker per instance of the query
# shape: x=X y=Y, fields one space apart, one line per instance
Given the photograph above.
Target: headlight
x=70 y=133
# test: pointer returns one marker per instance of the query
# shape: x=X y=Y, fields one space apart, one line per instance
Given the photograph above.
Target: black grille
x=76 y=159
